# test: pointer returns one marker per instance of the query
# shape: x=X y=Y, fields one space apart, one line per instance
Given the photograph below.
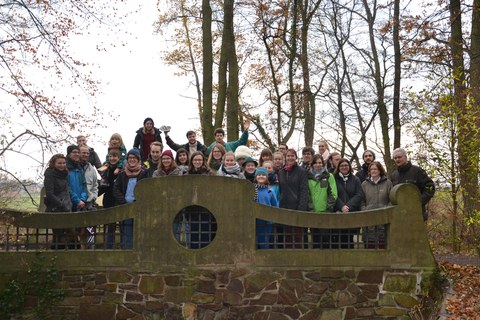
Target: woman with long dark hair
x=57 y=195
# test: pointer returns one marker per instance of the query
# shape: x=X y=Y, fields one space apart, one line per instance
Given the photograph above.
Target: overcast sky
x=135 y=82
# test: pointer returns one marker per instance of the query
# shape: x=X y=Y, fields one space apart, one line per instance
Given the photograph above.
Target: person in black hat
x=145 y=136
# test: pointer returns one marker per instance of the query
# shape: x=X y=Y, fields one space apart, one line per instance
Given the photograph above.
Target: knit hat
x=242 y=152
x=261 y=170
x=72 y=147
x=148 y=119
x=167 y=153
x=134 y=152
x=249 y=159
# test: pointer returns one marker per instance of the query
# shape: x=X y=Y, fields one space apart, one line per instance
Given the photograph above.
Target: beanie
x=261 y=170
x=242 y=152
x=134 y=152
x=72 y=147
x=168 y=153
x=148 y=119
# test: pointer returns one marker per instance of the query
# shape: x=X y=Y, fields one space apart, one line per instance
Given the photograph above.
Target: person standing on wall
x=145 y=136
x=232 y=145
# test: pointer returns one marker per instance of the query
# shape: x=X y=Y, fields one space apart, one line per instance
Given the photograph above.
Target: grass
x=22 y=203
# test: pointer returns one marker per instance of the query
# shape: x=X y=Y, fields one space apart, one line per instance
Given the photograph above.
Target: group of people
x=322 y=181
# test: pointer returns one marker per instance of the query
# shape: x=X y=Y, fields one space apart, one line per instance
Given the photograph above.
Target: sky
x=135 y=82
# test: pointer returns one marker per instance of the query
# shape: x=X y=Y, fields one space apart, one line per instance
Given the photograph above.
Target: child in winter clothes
x=272 y=177
x=264 y=195
x=116 y=142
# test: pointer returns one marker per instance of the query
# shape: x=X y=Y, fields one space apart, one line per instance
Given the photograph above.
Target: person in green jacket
x=322 y=186
x=232 y=145
x=323 y=196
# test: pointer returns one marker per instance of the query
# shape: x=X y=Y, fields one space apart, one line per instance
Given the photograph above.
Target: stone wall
x=242 y=294
x=230 y=278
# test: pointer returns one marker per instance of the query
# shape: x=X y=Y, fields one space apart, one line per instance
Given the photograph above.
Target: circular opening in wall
x=194 y=227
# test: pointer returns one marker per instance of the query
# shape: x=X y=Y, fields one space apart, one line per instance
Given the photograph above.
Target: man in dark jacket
x=406 y=172
x=153 y=160
x=368 y=157
x=191 y=146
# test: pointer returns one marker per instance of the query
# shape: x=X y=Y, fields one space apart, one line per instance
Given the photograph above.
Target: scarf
x=258 y=186
x=317 y=173
x=345 y=178
x=133 y=171
x=233 y=170
x=272 y=178
x=289 y=167
x=249 y=176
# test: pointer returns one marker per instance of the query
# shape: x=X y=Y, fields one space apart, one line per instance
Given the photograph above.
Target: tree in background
x=442 y=40
x=35 y=63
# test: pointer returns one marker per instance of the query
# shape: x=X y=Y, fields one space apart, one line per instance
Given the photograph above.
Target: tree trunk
x=233 y=108
x=397 y=126
x=382 y=107
x=475 y=116
x=207 y=89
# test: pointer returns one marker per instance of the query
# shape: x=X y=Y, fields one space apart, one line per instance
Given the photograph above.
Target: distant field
x=22 y=203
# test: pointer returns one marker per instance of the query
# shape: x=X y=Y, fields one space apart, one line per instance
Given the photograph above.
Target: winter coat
x=162 y=173
x=273 y=180
x=231 y=172
x=91 y=181
x=138 y=142
x=350 y=192
x=413 y=174
x=150 y=166
x=106 y=186
x=123 y=155
x=76 y=183
x=57 y=196
x=232 y=145
x=294 y=188
x=121 y=184
x=94 y=159
x=377 y=195
x=266 y=196
x=200 y=147
x=323 y=191
x=202 y=172
x=363 y=173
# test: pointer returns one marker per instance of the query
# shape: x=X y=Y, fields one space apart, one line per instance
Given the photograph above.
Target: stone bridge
x=230 y=275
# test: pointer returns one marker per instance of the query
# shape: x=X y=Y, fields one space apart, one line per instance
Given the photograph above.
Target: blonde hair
x=118 y=137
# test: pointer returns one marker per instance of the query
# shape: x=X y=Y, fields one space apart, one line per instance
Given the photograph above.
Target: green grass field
x=21 y=203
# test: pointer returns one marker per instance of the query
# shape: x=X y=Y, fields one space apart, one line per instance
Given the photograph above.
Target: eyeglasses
x=399 y=157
